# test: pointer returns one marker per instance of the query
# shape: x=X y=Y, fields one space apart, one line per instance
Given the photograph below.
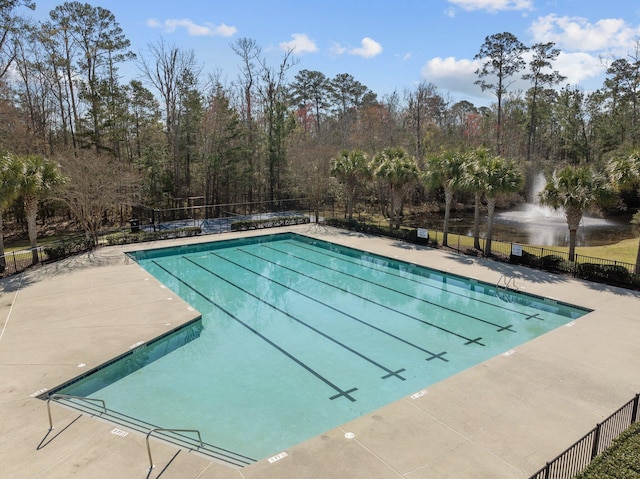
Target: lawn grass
x=44 y=241
x=624 y=251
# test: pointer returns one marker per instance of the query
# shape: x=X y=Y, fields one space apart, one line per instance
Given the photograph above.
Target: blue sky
x=388 y=45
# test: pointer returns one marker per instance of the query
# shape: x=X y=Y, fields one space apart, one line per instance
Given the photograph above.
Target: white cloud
x=338 y=49
x=193 y=29
x=453 y=75
x=577 y=33
x=493 y=6
x=369 y=49
x=301 y=43
x=578 y=67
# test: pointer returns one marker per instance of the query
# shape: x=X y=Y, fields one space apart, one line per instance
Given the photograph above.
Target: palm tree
x=399 y=173
x=499 y=176
x=445 y=171
x=474 y=181
x=38 y=179
x=9 y=170
x=351 y=169
x=576 y=190
x=624 y=173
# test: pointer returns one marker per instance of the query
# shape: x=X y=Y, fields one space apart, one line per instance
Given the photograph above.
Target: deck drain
x=349 y=435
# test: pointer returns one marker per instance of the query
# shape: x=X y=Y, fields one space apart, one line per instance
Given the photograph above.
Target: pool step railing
x=97 y=408
x=503 y=285
x=507 y=282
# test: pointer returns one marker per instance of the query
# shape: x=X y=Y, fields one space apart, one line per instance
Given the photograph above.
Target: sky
x=387 y=45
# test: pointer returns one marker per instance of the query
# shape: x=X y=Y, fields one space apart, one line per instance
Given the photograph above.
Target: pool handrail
x=69 y=396
x=151 y=466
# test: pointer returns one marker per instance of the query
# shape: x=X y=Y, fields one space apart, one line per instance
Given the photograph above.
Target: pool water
x=299 y=336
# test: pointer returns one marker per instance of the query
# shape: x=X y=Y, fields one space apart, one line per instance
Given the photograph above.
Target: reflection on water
x=533 y=224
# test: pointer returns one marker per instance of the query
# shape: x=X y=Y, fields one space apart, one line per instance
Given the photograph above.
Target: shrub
x=527 y=259
x=406 y=234
x=552 y=262
x=143 y=236
x=620 y=461
x=243 y=225
x=68 y=247
x=603 y=273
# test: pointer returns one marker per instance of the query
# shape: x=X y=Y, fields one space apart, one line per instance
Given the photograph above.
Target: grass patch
x=44 y=241
x=625 y=251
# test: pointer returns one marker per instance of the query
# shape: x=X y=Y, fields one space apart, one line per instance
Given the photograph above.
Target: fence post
x=634 y=413
x=546 y=470
x=596 y=441
x=15 y=264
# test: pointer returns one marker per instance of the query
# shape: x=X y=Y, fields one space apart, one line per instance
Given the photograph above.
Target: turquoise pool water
x=299 y=336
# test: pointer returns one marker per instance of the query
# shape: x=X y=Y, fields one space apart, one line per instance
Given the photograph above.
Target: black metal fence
x=210 y=219
x=574 y=459
x=16 y=261
x=194 y=215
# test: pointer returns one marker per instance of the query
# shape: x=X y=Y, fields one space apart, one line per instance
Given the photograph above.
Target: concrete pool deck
x=503 y=418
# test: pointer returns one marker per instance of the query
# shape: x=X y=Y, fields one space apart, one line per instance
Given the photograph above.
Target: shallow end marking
x=419 y=394
x=277 y=457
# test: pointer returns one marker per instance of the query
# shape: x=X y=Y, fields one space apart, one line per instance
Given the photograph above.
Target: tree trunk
x=491 y=207
x=31 y=212
x=574 y=217
x=476 y=221
x=448 y=199
x=573 y=233
x=3 y=263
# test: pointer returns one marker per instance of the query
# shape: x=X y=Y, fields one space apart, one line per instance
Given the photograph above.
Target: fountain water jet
x=545 y=226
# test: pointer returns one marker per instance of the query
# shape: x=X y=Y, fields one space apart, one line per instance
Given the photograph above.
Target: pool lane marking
x=468 y=340
x=419 y=348
x=390 y=373
x=340 y=391
x=475 y=318
x=303 y=246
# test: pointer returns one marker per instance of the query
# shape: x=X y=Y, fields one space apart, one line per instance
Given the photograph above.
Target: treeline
x=180 y=135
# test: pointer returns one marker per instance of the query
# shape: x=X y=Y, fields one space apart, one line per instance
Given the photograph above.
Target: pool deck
x=503 y=418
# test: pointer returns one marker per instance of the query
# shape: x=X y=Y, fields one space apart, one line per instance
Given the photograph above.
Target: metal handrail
x=151 y=466
x=68 y=396
x=509 y=282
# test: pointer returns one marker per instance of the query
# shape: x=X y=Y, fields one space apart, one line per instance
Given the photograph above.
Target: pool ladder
x=504 y=284
x=508 y=282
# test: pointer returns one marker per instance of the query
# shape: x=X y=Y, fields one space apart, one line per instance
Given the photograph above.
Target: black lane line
x=267 y=340
x=475 y=318
x=535 y=315
x=303 y=246
x=468 y=340
x=389 y=372
x=350 y=316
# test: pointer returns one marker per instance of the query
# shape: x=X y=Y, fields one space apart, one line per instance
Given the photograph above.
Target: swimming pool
x=299 y=336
